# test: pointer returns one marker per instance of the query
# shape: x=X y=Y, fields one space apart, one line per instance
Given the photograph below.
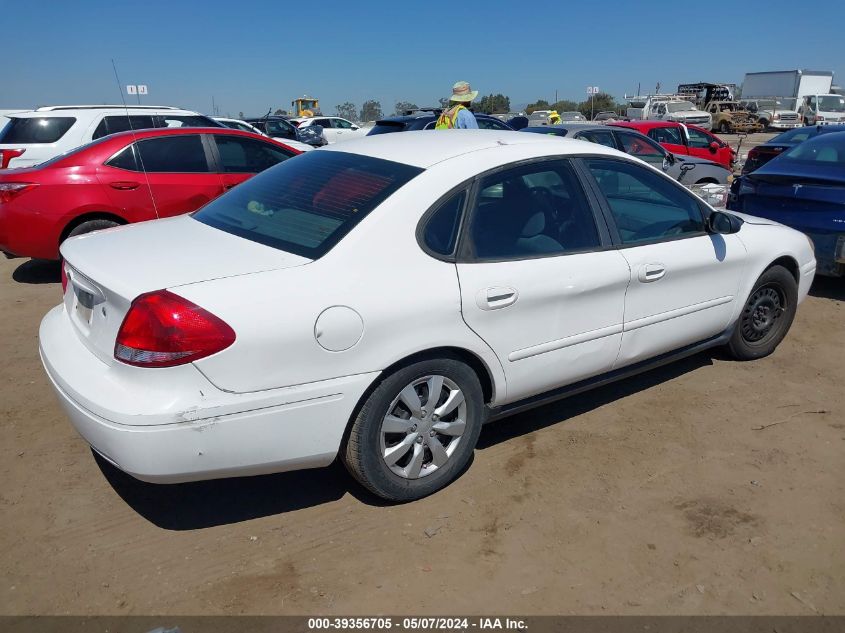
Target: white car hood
x=138 y=258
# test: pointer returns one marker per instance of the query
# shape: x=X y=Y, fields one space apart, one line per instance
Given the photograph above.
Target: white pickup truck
x=680 y=112
x=822 y=109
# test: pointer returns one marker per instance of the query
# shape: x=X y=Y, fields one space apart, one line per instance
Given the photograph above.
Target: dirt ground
x=653 y=496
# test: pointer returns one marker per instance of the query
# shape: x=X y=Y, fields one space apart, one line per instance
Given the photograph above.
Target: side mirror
x=668 y=160
x=355 y=127
x=714 y=147
x=723 y=223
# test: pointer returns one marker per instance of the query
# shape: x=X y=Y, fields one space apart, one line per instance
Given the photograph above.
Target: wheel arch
x=788 y=262
x=87 y=217
x=485 y=377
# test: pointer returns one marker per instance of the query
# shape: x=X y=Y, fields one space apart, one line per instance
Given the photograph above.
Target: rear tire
x=767 y=315
x=92 y=225
x=402 y=451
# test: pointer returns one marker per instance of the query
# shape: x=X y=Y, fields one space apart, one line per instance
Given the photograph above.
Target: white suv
x=33 y=137
x=335 y=129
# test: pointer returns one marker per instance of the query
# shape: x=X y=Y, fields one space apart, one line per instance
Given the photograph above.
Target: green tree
x=347 y=110
x=371 y=111
x=279 y=112
x=444 y=102
x=240 y=115
x=493 y=104
x=540 y=104
x=402 y=107
x=601 y=102
x=565 y=105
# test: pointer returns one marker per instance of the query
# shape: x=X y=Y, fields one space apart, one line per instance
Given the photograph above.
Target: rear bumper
x=830 y=253
x=218 y=434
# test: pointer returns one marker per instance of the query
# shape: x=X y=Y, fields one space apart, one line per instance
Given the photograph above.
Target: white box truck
x=778 y=95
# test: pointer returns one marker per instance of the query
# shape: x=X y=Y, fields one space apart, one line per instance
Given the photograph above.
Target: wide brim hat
x=462 y=92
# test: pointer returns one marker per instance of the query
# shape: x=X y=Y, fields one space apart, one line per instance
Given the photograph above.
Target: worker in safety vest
x=458 y=115
x=554 y=117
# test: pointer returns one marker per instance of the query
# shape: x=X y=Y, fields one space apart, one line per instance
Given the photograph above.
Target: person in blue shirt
x=457 y=115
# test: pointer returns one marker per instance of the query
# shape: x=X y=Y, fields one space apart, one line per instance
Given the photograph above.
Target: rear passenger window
x=598 y=136
x=42 y=129
x=185 y=120
x=246 y=155
x=178 y=154
x=671 y=135
x=645 y=205
x=122 y=123
x=441 y=231
x=532 y=210
x=125 y=159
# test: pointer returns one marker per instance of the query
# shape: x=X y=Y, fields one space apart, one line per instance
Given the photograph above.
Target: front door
x=537 y=281
x=684 y=281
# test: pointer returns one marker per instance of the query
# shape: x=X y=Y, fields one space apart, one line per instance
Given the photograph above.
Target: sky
x=258 y=55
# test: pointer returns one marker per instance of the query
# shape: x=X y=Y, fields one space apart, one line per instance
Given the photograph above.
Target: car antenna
x=135 y=139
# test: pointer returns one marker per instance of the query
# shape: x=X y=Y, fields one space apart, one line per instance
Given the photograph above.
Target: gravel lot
x=655 y=495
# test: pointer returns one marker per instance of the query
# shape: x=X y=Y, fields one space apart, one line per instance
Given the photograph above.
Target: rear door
x=671 y=137
x=239 y=157
x=174 y=170
x=538 y=281
x=684 y=281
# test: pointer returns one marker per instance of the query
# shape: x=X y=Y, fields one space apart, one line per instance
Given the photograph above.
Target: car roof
x=647 y=125
x=424 y=148
x=92 y=110
x=176 y=131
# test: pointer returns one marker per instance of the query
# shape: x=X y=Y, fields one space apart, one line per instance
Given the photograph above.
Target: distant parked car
x=281 y=129
x=426 y=120
x=763 y=153
x=124 y=178
x=803 y=187
x=237 y=124
x=690 y=140
x=609 y=116
x=335 y=129
x=31 y=138
x=571 y=117
x=685 y=169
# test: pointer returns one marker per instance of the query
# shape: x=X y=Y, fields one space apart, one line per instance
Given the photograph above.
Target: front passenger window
x=646 y=206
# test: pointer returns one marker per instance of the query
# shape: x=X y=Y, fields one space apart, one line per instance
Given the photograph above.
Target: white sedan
x=381 y=301
x=335 y=129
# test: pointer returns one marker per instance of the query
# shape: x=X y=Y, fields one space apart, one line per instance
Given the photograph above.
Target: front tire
x=767 y=315
x=724 y=127
x=417 y=430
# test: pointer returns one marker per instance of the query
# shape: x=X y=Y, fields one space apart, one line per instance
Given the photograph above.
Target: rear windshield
x=795 y=135
x=42 y=129
x=306 y=205
x=385 y=127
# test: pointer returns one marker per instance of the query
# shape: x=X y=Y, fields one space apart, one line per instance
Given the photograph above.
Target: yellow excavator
x=305 y=106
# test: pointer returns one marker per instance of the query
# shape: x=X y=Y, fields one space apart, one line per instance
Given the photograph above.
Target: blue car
x=804 y=187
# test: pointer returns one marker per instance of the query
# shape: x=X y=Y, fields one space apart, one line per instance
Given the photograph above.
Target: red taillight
x=7 y=155
x=162 y=329
x=9 y=190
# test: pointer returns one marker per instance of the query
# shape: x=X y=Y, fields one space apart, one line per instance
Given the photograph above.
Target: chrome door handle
x=496 y=297
x=651 y=272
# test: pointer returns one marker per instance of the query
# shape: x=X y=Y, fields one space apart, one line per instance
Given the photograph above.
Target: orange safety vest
x=449 y=117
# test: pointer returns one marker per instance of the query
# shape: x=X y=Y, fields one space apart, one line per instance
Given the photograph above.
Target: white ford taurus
x=382 y=299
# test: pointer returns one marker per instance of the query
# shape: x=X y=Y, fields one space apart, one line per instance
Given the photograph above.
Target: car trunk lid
x=107 y=270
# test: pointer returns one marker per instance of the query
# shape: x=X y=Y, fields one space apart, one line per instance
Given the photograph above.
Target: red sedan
x=123 y=178
x=692 y=141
